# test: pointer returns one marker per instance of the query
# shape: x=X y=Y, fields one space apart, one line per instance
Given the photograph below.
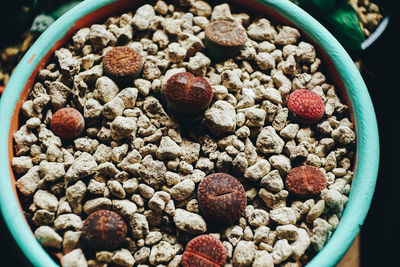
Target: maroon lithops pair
x=191 y=95
x=187 y=94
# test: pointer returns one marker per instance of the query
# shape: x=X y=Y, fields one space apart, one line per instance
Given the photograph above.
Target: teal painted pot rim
x=367 y=153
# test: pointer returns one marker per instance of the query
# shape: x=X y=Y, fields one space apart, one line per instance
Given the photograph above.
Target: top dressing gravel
x=141 y=158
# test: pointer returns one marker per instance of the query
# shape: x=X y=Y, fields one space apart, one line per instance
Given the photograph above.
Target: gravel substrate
x=137 y=159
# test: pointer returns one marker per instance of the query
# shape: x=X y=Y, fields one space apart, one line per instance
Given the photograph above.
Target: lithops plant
x=204 y=250
x=222 y=198
x=306 y=181
x=104 y=230
x=67 y=123
x=122 y=64
x=186 y=94
x=224 y=38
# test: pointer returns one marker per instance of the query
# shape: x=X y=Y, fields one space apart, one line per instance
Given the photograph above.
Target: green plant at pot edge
x=339 y=17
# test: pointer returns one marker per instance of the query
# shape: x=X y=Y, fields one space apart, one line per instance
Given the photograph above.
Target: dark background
x=380 y=234
x=381 y=230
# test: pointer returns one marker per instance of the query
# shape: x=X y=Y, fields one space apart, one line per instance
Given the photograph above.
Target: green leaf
x=58 y=12
x=345 y=26
x=323 y=5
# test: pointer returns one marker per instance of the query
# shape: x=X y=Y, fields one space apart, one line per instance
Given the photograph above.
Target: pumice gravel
x=142 y=163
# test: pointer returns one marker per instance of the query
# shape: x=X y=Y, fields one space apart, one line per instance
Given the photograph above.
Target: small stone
x=68 y=221
x=163 y=252
x=244 y=253
x=45 y=200
x=182 y=190
x=283 y=215
x=74 y=258
x=143 y=16
x=123 y=257
x=221 y=118
x=343 y=135
x=257 y=170
x=189 y=222
x=47 y=237
x=282 y=251
x=168 y=149
x=268 y=141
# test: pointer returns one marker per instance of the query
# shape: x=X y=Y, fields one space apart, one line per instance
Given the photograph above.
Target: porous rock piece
x=28 y=183
x=272 y=181
x=189 y=222
x=69 y=65
x=282 y=251
x=74 y=195
x=122 y=127
x=99 y=37
x=123 y=257
x=159 y=200
x=48 y=237
x=263 y=259
x=21 y=164
x=168 y=149
x=258 y=170
x=322 y=231
x=287 y=35
x=221 y=118
x=268 y=141
x=283 y=215
x=45 y=200
x=82 y=166
x=59 y=93
x=143 y=16
x=301 y=244
x=105 y=89
x=244 y=253
x=182 y=190
x=24 y=138
x=152 y=172
x=343 y=134
x=256 y=217
x=68 y=221
x=139 y=226
x=261 y=30
x=74 y=258
x=163 y=252
x=191 y=42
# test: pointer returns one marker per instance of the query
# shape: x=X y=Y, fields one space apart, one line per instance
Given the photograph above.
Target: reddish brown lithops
x=104 y=230
x=204 y=251
x=224 y=38
x=67 y=123
x=187 y=94
x=123 y=64
x=222 y=198
x=305 y=181
x=306 y=106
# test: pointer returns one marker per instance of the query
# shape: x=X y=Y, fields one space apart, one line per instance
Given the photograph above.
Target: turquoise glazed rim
x=345 y=75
